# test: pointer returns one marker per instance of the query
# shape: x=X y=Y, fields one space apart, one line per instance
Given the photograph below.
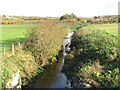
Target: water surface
x=53 y=77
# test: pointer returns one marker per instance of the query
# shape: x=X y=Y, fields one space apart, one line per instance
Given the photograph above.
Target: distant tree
x=68 y=17
x=73 y=16
x=4 y=16
x=82 y=19
x=96 y=17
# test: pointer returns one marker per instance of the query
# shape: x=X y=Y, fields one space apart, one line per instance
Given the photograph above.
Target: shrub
x=45 y=41
x=68 y=17
x=97 y=58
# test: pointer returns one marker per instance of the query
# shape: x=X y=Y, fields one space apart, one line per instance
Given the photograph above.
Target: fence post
x=4 y=50
x=12 y=48
x=18 y=43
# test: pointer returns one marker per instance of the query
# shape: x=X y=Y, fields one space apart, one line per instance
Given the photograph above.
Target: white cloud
x=59 y=7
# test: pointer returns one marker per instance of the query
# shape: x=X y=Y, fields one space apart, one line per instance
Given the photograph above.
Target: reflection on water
x=53 y=78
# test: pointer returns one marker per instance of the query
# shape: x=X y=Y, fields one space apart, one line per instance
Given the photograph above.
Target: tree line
x=93 y=20
x=65 y=18
x=24 y=19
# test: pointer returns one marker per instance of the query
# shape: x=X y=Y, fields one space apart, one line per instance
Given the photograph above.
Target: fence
x=4 y=48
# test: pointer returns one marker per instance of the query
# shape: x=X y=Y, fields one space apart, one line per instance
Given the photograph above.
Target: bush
x=68 y=17
x=23 y=61
x=45 y=41
x=97 y=58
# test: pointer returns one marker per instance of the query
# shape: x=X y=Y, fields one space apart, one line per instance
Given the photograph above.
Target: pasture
x=12 y=34
x=110 y=28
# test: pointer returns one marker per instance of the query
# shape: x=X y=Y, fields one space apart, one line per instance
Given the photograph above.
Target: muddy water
x=54 y=78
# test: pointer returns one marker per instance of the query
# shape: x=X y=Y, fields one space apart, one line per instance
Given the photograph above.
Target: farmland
x=37 y=44
x=11 y=34
x=59 y=44
x=90 y=52
x=110 y=28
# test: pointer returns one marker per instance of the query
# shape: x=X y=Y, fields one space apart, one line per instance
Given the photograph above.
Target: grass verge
x=22 y=60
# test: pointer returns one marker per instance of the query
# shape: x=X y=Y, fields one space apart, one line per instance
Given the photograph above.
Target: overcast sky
x=57 y=8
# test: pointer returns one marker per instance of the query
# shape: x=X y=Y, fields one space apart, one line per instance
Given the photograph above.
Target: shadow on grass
x=8 y=43
x=12 y=41
x=76 y=67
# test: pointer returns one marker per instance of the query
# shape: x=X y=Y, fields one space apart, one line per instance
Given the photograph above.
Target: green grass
x=11 y=34
x=22 y=60
x=110 y=28
x=65 y=25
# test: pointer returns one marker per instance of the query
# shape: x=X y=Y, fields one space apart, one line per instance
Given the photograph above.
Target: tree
x=68 y=17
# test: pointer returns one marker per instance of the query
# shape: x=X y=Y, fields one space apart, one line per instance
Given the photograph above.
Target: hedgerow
x=93 y=59
x=45 y=41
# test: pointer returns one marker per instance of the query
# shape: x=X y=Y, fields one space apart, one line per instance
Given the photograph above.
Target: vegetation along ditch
x=93 y=59
x=70 y=52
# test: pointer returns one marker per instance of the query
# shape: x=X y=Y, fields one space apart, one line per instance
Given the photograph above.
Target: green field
x=110 y=28
x=11 y=34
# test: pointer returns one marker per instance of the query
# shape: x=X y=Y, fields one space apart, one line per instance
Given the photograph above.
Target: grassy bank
x=22 y=60
x=94 y=58
x=28 y=57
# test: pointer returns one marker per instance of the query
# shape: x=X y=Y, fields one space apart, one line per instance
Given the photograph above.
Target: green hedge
x=45 y=41
x=93 y=59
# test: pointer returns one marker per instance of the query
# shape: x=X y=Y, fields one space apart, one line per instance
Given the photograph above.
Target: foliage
x=45 y=41
x=95 y=58
x=68 y=17
x=103 y=19
x=65 y=18
x=22 y=60
x=24 y=19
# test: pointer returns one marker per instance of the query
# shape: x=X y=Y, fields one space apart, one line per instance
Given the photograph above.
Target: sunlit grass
x=110 y=28
x=11 y=34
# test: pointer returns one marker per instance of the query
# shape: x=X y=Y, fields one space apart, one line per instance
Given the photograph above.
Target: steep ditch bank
x=93 y=59
x=67 y=49
x=22 y=61
x=53 y=77
x=41 y=47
